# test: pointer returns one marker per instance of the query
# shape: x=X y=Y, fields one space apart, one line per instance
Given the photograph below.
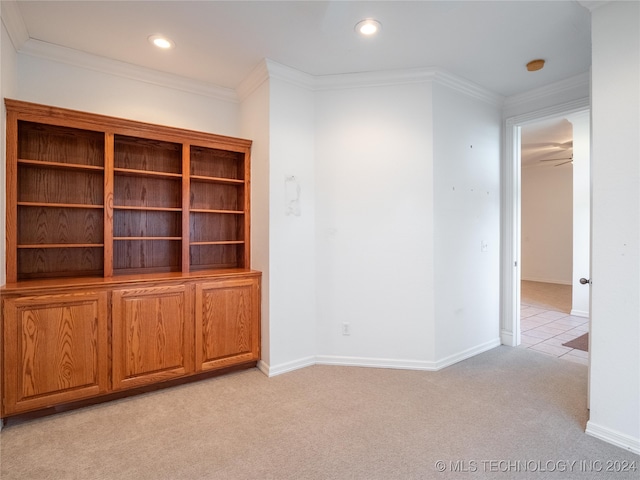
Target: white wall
x=399 y=251
x=292 y=241
x=374 y=201
x=278 y=114
x=54 y=83
x=466 y=228
x=615 y=314
x=547 y=223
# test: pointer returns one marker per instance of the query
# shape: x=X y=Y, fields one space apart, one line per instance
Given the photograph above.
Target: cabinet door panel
x=227 y=323
x=152 y=335
x=55 y=349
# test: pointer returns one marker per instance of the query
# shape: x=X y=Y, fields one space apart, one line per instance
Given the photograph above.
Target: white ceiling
x=220 y=42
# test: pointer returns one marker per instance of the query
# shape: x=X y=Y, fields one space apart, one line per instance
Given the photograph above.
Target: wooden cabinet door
x=152 y=335
x=55 y=350
x=227 y=323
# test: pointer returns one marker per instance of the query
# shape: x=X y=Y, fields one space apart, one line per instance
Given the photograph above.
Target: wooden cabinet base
x=55 y=349
x=69 y=341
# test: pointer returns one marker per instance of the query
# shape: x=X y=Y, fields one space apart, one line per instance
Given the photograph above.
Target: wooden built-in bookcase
x=128 y=248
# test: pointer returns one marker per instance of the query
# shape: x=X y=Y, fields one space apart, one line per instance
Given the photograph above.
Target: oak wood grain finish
x=227 y=321
x=60 y=225
x=157 y=255
x=121 y=166
x=151 y=335
x=214 y=227
x=216 y=163
x=144 y=155
x=208 y=256
x=150 y=323
x=108 y=203
x=73 y=118
x=11 y=219
x=186 y=183
x=118 y=234
x=55 y=349
x=59 y=262
x=58 y=144
x=52 y=185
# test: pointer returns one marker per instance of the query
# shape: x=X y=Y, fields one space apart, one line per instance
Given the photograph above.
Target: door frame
x=510 y=268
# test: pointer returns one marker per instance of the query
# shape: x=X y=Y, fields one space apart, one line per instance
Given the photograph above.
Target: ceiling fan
x=535 y=153
x=561 y=160
x=549 y=148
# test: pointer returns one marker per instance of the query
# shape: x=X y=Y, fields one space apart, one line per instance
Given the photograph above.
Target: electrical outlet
x=346 y=328
x=483 y=246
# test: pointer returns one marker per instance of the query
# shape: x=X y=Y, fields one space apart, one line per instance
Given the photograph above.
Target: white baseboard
x=614 y=437
x=272 y=371
x=579 y=313
x=263 y=367
x=468 y=353
x=508 y=338
x=375 y=362
x=404 y=364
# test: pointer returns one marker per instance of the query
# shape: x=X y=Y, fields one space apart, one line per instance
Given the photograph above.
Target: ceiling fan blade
x=549 y=145
x=556 y=159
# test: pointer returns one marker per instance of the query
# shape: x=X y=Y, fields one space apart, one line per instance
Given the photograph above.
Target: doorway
x=547 y=240
x=511 y=269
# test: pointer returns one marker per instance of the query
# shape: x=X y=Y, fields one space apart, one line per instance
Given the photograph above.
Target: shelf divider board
x=12 y=196
x=60 y=205
x=147 y=209
x=63 y=166
x=186 y=195
x=247 y=208
x=45 y=246
x=125 y=239
x=231 y=181
x=227 y=212
x=219 y=242
x=108 y=203
x=146 y=173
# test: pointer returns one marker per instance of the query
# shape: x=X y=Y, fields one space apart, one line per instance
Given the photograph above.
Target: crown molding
x=592 y=5
x=256 y=77
x=468 y=88
x=290 y=75
x=268 y=69
x=559 y=110
x=69 y=56
x=14 y=23
x=580 y=81
x=373 y=79
x=406 y=76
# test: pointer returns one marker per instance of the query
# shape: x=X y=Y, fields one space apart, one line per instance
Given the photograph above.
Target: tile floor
x=546 y=322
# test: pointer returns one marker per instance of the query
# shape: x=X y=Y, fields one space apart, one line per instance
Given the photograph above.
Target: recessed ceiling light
x=368 y=27
x=161 y=41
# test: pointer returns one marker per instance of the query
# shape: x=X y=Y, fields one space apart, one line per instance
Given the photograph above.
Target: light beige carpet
x=500 y=413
